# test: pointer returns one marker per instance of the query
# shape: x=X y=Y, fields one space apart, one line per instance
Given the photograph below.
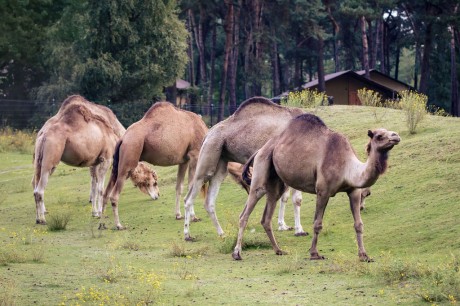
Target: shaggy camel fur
x=310 y=157
x=235 y=140
x=165 y=136
x=81 y=134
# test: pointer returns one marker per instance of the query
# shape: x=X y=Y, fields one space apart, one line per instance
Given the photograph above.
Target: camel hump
x=76 y=105
x=309 y=120
x=161 y=105
x=256 y=102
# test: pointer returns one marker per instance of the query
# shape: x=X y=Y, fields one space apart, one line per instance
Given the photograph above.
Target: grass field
x=412 y=230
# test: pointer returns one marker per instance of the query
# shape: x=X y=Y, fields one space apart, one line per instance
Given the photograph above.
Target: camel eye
x=379 y=137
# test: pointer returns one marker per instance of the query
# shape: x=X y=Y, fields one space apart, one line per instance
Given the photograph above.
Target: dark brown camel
x=310 y=157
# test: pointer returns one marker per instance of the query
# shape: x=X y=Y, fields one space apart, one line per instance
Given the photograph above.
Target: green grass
x=412 y=230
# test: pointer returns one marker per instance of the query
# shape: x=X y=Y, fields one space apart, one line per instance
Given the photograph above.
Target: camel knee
x=359 y=227
x=318 y=227
x=38 y=197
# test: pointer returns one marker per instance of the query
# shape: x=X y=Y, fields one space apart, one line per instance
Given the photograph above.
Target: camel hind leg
x=47 y=157
x=182 y=168
x=213 y=191
x=98 y=177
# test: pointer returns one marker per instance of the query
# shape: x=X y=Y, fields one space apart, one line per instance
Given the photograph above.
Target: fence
x=30 y=114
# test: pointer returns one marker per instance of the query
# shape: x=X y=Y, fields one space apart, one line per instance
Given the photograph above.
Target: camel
x=235 y=140
x=312 y=158
x=81 y=134
x=165 y=136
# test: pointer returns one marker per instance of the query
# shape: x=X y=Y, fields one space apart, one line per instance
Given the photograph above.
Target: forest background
x=123 y=51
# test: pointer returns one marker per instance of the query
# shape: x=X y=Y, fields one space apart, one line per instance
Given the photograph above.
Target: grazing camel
x=310 y=157
x=81 y=134
x=235 y=140
x=165 y=136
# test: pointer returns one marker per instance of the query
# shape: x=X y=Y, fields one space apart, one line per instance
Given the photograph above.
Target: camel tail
x=247 y=171
x=116 y=157
x=37 y=160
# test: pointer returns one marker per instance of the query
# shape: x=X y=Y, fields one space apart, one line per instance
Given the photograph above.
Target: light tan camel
x=81 y=134
x=235 y=140
x=310 y=157
x=165 y=136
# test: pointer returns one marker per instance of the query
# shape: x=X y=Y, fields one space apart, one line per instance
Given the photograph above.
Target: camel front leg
x=182 y=168
x=92 y=173
x=98 y=196
x=114 y=199
x=251 y=202
x=282 y=226
x=355 y=201
x=274 y=192
x=321 y=202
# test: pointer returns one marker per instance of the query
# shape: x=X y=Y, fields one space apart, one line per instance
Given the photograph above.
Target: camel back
x=159 y=109
x=261 y=105
x=76 y=104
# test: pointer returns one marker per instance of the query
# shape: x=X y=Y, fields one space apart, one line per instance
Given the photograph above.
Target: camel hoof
x=317 y=257
x=102 y=226
x=41 y=222
x=190 y=239
x=366 y=259
x=299 y=234
x=121 y=227
x=285 y=228
x=236 y=256
x=179 y=217
x=281 y=252
x=196 y=219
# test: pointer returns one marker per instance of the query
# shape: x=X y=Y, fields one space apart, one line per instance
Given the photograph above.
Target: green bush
x=58 y=222
x=414 y=106
x=373 y=99
x=306 y=98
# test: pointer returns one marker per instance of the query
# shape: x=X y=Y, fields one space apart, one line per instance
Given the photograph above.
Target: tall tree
x=124 y=50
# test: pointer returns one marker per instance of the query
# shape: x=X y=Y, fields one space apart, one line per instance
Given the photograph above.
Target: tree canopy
x=127 y=50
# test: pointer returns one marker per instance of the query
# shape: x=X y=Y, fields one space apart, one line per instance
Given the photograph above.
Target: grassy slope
x=412 y=216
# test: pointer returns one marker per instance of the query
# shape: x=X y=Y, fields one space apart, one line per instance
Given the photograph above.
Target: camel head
x=146 y=180
x=382 y=140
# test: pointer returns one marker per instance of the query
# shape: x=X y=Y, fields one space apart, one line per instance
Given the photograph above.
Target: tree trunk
x=382 y=46
x=213 y=66
x=234 y=58
x=198 y=33
x=191 y=68
x=257 y=24
x=425 y=73
x=417 y=64
x=365 y=48
x=372 y=39
x=321 y=80
x=228 y=45
x=455 y=103
x=397 y=56
x=275 y=64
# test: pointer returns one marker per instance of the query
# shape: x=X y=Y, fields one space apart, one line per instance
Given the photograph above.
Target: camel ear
x=370 y=134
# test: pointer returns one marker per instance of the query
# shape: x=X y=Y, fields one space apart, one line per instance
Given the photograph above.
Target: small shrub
x=306 y=98
x=373 y=99
x=58 y=222
x=414 y=106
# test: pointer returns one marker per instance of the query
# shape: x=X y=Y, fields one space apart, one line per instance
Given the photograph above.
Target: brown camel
x=165 y=136
x=310 y=157
x=235 y=140
x=81 y=134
